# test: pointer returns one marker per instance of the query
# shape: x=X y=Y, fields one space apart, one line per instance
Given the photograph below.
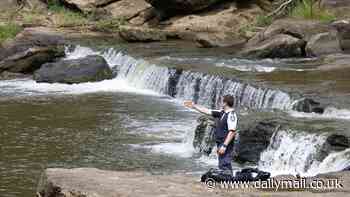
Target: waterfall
x=204 y=89
x=289 y=151
x=295 y=152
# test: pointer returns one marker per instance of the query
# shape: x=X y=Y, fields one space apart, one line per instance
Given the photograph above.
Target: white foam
x=290 y=152
x=29 y=87
x=248 y=68
x=334 y=162
x=179 y=149
x=329 y=113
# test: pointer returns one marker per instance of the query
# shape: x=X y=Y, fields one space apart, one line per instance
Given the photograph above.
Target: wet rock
x=141 y=34
x=30 y=49
x=323 y=44
x=89 y=69
x=204 y=135
x=338 y=142
x=343 y=32
x=308 y=105
x=334 y=143
x=173 y=7
x=254 y=139
x=278 y=46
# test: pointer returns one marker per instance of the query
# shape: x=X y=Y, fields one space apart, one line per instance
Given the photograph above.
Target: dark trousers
x=226 y=158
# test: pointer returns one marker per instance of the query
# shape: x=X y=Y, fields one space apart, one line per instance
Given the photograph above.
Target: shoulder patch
x=233 y=117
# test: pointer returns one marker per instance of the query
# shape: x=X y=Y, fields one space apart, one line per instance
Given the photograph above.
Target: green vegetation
x=263 y=21
x=309 y=9
x=8 y=31
x=65 y=17
x=109 y=25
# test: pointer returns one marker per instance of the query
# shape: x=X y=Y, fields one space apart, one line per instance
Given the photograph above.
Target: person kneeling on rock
x=225 y=130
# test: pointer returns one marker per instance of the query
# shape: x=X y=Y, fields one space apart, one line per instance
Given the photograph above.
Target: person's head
x=228 y=101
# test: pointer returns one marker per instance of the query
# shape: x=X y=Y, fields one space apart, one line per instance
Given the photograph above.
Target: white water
x=295 y=152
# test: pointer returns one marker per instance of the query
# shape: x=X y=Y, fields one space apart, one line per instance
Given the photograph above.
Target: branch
x=282 y=7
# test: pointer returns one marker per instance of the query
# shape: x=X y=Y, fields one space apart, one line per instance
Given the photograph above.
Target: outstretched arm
x=198 y=108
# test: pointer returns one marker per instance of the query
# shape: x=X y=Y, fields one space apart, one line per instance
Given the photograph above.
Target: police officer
x=225 y=130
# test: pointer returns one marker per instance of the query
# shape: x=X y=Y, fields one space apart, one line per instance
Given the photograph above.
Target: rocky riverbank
x=91 y=182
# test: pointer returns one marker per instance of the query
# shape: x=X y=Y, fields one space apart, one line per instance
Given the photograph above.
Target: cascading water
x=203 y=88
x=293 y=152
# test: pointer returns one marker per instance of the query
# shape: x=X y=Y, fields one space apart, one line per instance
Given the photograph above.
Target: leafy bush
x=307 y=9
x=9 y=31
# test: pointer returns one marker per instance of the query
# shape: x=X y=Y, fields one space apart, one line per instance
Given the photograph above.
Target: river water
x=136 y=121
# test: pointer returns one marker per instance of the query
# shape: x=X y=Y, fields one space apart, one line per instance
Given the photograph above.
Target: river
x=136 y=121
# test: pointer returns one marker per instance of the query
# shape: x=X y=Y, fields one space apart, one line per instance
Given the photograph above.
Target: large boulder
x=89 y=69
x=30 y=49
x=323 y=44
x=253 y=139
x=302 y=29
x=172 y=7
x=343 y=32
x=309 y=106
x=278 y=46
x=127 y=9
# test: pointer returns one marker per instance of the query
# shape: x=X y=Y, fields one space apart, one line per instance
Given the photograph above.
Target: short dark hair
x=229 y=100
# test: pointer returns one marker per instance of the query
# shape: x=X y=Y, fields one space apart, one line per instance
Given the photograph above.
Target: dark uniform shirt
x=227 y=121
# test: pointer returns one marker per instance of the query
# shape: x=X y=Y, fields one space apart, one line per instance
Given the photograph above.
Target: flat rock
x=141 y=34
x=91 y=182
